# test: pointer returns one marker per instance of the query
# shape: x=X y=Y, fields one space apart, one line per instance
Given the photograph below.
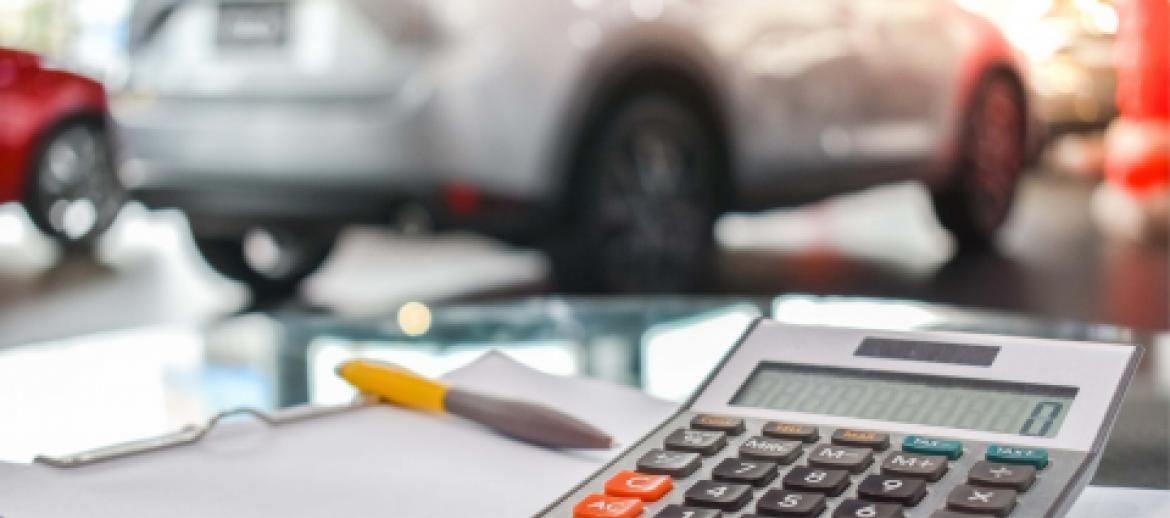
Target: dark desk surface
x=139 y=382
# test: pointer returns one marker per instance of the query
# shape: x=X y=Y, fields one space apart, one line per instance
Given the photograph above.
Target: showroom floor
x=884 y=242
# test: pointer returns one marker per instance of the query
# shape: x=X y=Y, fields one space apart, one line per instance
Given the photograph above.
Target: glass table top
x=69 y=395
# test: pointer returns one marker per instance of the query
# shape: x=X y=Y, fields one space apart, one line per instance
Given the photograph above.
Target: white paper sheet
x=379 y=461
x=385 y=462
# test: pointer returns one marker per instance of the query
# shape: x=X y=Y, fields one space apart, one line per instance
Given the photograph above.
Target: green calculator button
x=929 y=446
x=1037 y=457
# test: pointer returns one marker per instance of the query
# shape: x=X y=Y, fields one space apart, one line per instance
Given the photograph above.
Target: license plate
x=253 y=24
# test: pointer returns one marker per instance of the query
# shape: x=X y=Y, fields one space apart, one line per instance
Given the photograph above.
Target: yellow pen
x=528 y=422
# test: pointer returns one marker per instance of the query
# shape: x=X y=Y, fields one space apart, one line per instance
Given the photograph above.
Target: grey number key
x=775 y=450
x=718 y=495
x=677 y=464
x=830 y=482
x=855 y=460
x=755 y=472
x=905 y=491
x=902 y=464
x=974 y=499
x=994 y=474
x=678 y=511
x=779 y=502
x=703 y=442
x=943 y=513
x=861 y=509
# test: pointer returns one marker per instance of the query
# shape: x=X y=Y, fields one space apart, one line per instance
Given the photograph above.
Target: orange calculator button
x=598 y=505
x=648 y=488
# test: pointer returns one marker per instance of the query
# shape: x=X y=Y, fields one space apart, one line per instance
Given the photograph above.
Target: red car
x=56 y=155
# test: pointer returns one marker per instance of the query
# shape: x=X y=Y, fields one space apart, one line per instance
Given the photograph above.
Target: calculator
x=805 y=422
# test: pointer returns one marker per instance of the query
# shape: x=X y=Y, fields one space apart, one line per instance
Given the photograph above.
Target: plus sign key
x=901 y=464
x=994 y=474
x=974 y=499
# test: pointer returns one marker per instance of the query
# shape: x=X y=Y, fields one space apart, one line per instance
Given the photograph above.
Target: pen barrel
x=525 y=421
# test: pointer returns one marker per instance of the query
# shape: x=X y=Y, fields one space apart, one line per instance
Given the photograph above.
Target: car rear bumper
x=262 y=159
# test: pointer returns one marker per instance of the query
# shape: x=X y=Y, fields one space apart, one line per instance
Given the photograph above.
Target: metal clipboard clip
x=191 y=434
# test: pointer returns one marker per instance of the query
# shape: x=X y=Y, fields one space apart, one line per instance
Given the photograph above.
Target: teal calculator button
x=930 y=446
x=1037 y=457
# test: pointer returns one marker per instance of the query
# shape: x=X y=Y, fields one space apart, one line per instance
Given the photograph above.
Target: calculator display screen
x=971 y=404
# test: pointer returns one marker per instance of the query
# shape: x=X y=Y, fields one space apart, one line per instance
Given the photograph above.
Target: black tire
x=977 y=197
x=644 y=201
x=72 y=193
x=297 y=254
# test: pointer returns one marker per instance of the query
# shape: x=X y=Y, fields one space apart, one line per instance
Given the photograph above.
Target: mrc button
x=775 y=450
x=791 y=431
x=719 y=423
x=865 y=439
x=1037 y=457
x=929 y=467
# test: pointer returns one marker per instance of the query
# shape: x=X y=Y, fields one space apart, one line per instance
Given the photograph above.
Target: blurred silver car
x=610 y=132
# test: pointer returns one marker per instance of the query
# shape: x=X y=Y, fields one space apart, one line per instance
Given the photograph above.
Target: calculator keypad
x=845 y=476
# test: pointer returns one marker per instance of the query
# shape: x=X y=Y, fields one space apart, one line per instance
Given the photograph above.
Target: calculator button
x=779 y=502
x=678 y=511
x=647 y=488
x=865 y=439
x=831 y=482
x=791 y=431
x=861 y=509
x=905 y=491
x=719 y=423
x=775 y=450
x=598 y=505
x=929 y=467
x=973 y=499
x=931 y=446
x=993 y=474
x=677 y=464
x=1037 y=457
x=718 y=495
x=705 y=443
x=943 y=513
x=855 y=460
x=755 y=472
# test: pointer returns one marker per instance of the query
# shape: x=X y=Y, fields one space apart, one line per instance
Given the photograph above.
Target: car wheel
x=977 y=197
x=72 y=194
x=645 y=202
x=272 y=260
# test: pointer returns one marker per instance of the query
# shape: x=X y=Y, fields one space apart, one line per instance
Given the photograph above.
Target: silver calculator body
x=804 y=421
